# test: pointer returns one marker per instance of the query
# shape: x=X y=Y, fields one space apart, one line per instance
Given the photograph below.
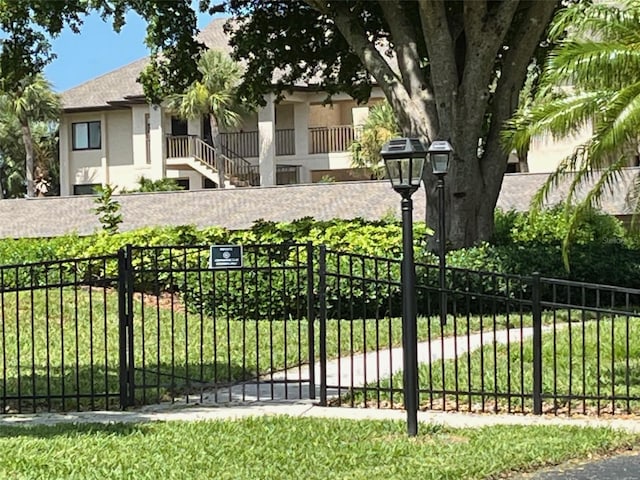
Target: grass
x=593 y=358
x=284 y=447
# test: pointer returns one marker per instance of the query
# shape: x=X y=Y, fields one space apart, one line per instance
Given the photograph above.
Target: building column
x=104 y=159
x=266 y=139
x=156 y=142
x=66 y=186
x=139 y=126
x=301 y=126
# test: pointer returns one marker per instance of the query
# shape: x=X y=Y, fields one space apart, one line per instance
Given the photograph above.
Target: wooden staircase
x=192 y=151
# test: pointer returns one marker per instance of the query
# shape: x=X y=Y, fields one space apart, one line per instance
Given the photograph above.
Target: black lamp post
x=404 y=159
x=439 y=156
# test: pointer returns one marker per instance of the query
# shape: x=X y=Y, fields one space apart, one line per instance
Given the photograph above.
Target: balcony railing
x=332 y=139
x=245 y=144
x=285 y=142
x=321 y=140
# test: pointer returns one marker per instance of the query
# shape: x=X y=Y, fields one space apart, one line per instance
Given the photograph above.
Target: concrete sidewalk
x=307 y=408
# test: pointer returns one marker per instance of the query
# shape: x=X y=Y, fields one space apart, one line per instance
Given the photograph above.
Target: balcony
x=321 y=140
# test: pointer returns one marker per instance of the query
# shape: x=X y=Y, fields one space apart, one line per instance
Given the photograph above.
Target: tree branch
x=404 y=36
x=442 y=61
x=412 y=114
x=517 y=59
x=485 y=34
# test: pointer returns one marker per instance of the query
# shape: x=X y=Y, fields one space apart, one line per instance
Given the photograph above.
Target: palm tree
x=32 y=100
x=594 y=74
x=214 y=95
x=381 y=126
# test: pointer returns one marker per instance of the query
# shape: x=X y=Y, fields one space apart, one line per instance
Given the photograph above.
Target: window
x=183 y=182
x=206 y=183
x=85 y=189
x=86 y=136
x=179 y=127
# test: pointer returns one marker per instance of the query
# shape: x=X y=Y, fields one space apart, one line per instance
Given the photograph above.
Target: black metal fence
x=197 y=333
x=155 y=324
x=510 y=343
x=59 y=336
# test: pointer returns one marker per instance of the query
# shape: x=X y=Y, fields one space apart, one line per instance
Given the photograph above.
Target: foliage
x=27 y=28
x=327 y=179
x=449 y=70
x=214 y=94
x=596 y=67
x=380 y=127
x=28 y=137
x=108 y=209
x=161 y=185
x=550 y=226
x=524 y=246
x=479 y=49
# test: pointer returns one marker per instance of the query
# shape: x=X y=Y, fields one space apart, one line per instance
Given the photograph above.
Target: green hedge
x=603 y=253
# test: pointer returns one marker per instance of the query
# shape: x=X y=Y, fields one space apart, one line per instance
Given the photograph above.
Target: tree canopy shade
x=600 y=62
x=451 y=70
x=28 y=25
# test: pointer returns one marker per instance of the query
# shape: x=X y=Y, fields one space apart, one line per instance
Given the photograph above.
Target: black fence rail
x=59 y=336
x=158 y=323
x=508 y=344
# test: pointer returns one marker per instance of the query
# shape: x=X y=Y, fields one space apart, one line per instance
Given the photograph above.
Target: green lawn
x=291 y=448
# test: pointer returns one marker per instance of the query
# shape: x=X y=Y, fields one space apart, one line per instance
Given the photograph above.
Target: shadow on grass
x=73 y=430
x=94 y=387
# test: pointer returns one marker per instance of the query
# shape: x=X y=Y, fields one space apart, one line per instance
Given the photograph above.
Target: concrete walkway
x=352 y=371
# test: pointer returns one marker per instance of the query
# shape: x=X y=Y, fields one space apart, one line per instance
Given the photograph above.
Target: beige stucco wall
x=546 y=152
x=284 y=116
x=85 y=166
x=114 y=162
x=119 y=138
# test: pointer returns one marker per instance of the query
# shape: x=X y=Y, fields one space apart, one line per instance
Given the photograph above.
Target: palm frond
x=576 y=211
x=590 y=64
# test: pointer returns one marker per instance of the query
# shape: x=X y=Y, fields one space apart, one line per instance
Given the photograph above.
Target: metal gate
x=191 y=333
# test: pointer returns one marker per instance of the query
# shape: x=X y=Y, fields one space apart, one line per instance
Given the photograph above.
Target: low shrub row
x=603 y=253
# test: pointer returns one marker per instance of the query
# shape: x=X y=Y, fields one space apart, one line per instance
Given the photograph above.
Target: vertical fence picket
x=322 y=300
x=537 y=346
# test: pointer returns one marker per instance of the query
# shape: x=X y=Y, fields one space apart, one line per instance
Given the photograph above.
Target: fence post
x=537 y=345
x=122 y=328
x=310 y=321
x=322 y=299
x=130 y=349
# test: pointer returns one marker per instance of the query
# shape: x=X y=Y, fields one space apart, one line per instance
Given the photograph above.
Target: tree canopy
x=450 y=69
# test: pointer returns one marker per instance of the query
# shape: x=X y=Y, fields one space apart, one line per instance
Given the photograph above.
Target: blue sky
x=97 y=49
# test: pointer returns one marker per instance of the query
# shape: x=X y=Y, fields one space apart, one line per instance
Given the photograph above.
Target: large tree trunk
x=28 y=148
x=465 y=95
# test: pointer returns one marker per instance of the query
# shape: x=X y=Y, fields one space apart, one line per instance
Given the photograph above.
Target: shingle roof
x=230 y=208
x=120 y=84
x=239 y=208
